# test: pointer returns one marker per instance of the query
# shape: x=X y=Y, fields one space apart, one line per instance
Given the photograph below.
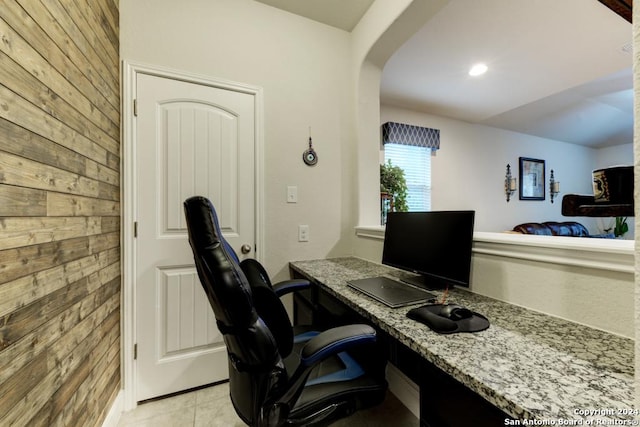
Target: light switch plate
x=303 y=233
x=292 y=194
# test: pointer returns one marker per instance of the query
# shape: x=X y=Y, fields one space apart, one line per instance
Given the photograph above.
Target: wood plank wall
x=59 y=211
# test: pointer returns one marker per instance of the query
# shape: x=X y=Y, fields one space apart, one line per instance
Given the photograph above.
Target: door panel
x=190 y=324
x=198 y=160
x=191 y=140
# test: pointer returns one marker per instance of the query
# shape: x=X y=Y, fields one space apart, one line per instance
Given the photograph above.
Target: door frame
x=130 y=71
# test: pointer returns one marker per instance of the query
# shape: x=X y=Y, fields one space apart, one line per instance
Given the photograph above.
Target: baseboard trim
x=404 y=389
x=115 y=412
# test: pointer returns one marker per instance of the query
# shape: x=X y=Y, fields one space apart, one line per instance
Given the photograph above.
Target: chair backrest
x=255 y=364
x=268 y=305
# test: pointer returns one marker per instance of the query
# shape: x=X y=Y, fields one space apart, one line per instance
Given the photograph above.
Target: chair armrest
x=257 y=276
x=291 y=285
x=319 y=348
x=335 y=340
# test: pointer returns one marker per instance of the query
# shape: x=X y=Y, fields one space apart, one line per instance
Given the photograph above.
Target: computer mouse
x=455 y=312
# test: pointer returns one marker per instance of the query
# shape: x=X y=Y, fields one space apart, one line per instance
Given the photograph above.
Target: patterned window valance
x=400 y=133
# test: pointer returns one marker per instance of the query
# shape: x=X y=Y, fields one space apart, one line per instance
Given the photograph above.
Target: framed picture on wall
x=531 y=179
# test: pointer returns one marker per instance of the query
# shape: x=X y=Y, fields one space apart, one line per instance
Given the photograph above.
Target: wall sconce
x=554 y=186
x=510 y=184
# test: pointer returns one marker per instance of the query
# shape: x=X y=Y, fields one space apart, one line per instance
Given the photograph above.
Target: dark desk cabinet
x=316 y=307
x=444 y=402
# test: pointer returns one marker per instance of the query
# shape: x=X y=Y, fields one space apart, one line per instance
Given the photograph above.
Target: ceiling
x=557 y=69
x=343 y=14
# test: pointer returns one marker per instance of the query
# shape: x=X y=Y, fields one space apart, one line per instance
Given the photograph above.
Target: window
x=416 y=163
x=409 y=147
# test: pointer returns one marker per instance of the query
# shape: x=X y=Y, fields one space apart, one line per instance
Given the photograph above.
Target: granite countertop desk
x=530 y=365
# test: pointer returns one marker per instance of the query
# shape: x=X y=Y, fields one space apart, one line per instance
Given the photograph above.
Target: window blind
x=416 y=163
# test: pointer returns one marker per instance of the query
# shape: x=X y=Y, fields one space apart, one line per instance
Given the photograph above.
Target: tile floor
x=211 y=407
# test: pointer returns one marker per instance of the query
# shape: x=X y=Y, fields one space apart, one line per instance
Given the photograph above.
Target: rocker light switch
x=303 y=233
x=292 y=194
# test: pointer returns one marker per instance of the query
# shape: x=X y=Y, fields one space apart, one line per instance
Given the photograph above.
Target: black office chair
x=276 y=379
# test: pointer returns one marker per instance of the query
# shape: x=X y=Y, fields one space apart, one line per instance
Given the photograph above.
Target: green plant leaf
x=392 y=181
x=621 y=226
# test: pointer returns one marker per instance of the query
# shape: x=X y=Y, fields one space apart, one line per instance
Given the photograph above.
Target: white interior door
x=191 y=139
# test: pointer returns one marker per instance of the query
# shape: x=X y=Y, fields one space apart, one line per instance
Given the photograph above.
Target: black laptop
x=390 y=292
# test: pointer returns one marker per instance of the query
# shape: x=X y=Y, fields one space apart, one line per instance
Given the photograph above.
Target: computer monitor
x=436 y=245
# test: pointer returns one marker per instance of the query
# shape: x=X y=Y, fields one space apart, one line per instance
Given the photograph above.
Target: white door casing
x=191 y=137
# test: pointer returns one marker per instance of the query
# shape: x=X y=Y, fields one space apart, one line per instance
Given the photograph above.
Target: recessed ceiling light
x=478 y=69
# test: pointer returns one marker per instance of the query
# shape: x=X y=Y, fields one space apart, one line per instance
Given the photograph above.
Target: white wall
x=382 y=30
x=614 y=156
x=588 y=281
x=304 y=69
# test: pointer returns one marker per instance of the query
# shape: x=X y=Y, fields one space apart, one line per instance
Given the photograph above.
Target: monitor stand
x=425 y=283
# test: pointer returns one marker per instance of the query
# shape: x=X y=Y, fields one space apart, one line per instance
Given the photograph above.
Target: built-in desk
x=527 y=365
